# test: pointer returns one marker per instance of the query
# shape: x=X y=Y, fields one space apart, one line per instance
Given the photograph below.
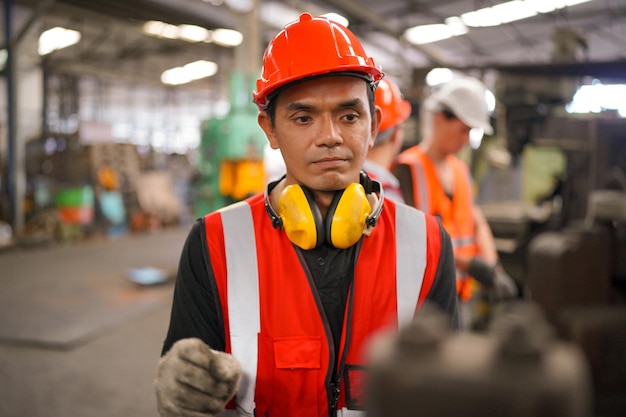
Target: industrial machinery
x=578 y=276
x=231 y=159
x=571 y=262
x=516 y=369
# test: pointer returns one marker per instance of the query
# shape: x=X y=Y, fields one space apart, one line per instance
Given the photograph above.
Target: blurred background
x=123 y=121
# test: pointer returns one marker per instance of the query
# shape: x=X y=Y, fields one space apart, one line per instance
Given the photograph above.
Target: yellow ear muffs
x=347 y=215
x=301 y=218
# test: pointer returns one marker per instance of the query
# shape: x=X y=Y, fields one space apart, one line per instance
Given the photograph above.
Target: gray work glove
x=194 y=380
x=494 y=278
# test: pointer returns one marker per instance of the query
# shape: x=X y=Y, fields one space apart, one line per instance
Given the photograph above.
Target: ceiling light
x=189 y=72
x=547 y=6
x=192 y=33
x=419 y=35
x=513 y=10
x=456 y=25
x=499 y=14
x=161 y=29
x=57 y=38
x=226 y=37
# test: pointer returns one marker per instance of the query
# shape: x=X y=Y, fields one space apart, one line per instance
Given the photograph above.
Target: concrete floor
x=107 y=374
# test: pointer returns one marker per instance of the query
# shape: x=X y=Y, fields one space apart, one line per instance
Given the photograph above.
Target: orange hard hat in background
x=309 y=47
x=394 y=107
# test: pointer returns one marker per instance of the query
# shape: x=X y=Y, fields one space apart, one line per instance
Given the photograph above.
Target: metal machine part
x=578 y=277
x=516 y=369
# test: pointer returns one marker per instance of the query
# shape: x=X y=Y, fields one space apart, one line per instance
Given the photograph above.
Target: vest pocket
x=297 y=352
x=290 y=375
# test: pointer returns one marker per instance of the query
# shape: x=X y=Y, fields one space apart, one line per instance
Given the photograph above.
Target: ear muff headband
x=349 y=214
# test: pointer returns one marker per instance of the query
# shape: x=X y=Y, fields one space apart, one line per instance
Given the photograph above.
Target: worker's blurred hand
x=503 y=285
x=195 y=381
x=494 y=278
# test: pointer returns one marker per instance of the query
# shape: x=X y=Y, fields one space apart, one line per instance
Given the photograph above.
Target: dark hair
x=447 y=112
x=271 y=105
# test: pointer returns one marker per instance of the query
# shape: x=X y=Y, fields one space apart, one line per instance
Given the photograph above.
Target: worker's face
x=451 y=134
x=323 y=128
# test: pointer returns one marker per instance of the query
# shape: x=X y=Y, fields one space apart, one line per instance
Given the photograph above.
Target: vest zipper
x=330 y=388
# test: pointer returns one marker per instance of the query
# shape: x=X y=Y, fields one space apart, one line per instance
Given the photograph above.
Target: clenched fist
x=194 y=380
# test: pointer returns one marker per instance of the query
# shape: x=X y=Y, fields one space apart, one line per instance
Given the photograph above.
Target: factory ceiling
x=114 y=44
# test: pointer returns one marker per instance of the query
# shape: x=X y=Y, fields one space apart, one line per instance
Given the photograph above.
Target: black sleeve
x=403 y=173
x=443 y=291
x=196 y=310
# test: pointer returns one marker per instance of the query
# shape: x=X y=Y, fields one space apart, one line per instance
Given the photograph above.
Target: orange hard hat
x=309 y=47
x=394 y=107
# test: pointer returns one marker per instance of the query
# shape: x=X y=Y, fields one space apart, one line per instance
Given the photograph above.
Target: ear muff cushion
x=346 y=217
x=301 y=218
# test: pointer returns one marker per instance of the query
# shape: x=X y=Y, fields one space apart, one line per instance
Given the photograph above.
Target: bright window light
x=57 y=38
x=598 y=97
x=190 y=72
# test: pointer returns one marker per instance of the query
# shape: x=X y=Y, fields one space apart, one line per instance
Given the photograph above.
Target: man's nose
x=329 y=132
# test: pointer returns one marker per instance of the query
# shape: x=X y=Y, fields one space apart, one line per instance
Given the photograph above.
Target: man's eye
x=351 y=117
x=302 y=119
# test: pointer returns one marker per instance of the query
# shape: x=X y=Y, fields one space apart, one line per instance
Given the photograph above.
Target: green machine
x=231 y=160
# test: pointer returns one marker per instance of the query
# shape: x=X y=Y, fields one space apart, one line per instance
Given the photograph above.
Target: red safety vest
x=274 y=322
x=456 y=214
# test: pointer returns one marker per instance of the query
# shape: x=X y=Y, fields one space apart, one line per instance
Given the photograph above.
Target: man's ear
x=264 y=121
x=377 y=117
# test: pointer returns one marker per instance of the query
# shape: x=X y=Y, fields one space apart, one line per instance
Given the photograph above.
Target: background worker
x=388 y=142
x=277 y=296
x=434 y=180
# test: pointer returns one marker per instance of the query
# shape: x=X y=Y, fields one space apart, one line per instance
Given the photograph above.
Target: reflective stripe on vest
x=421 y=188
x=409 y=268
x=243 y=289
x=243 y=298
x=350 y=413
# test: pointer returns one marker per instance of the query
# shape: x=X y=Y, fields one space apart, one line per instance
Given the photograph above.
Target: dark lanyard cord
x=336 y=386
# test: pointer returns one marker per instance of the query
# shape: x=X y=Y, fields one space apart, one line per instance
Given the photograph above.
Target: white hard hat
x=465 y=97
